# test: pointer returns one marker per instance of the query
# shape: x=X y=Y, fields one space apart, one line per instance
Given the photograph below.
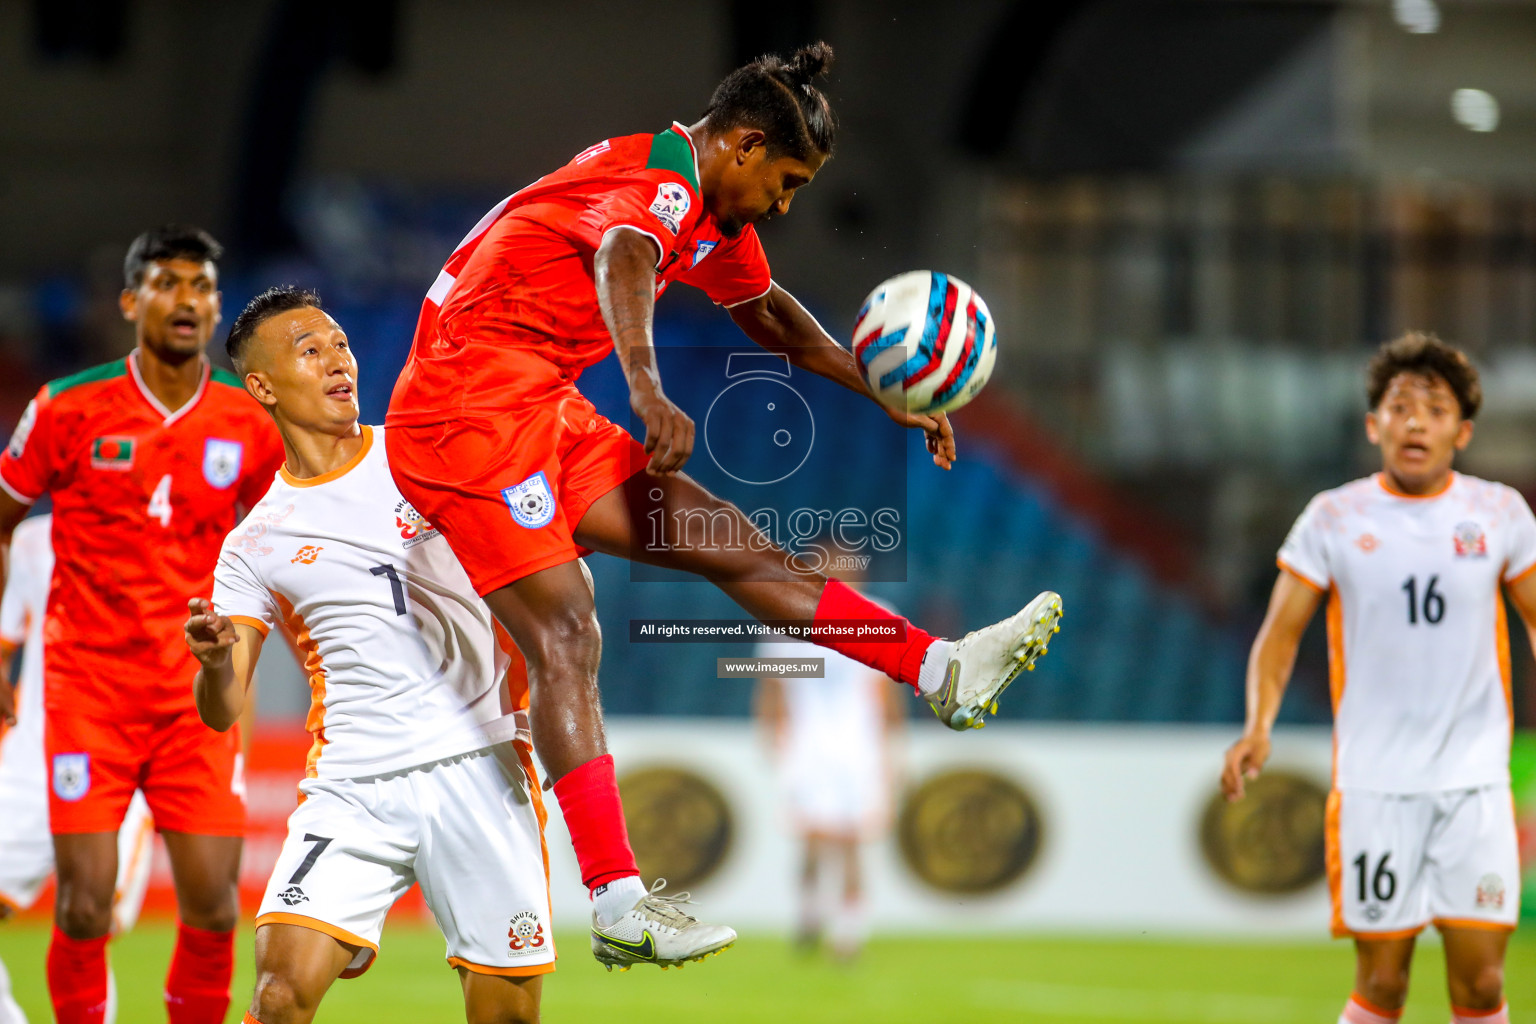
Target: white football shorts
x=1398 y=862
x=26 y=843
x=468 y=829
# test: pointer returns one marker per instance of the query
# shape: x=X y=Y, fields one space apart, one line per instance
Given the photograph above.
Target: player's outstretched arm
x=12 y=512
x=227 y=653
x=1291 y=606
x=777 y=322
x=624 y=269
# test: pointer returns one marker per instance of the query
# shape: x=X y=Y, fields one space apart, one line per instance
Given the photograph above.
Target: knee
x=1482 y=988
x=83 y=911
x=278 y=1001
x=1385 y=985
x=215 y=911
x=520 y=1011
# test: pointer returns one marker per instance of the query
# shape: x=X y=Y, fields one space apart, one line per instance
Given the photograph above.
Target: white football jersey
x=835 y=731
x=1418 y=641
x=28 y=578
x=405 y=663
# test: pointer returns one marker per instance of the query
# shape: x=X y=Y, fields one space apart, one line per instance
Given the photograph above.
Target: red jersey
x=142 y=500
x=523 y=279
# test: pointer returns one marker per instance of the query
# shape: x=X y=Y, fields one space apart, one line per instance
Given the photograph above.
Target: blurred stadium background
x=1193 y=219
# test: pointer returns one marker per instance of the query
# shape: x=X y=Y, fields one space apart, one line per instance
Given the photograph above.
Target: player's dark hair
x=779 y=98
x=1424 y=354
x=277 y=299
x=168 y=242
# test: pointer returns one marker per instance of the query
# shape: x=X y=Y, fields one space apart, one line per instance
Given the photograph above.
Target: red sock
x=197 y=987
x=77 y=978
x=589 y=799
x=901 y=660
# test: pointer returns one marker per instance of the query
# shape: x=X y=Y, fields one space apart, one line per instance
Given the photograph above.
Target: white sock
x=1499 y=1016
x=935 y=660
x=849 y=929
x=614 y=899
x=10 y=1012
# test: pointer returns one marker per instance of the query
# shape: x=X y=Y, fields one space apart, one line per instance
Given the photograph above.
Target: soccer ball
x=924 y=342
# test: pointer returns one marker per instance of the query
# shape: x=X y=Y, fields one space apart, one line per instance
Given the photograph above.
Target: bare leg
x=1474 y=967
x=491 y=999
x=87 y=877
x=207 y=874
x=809 y=928
x=295 y=967
x=1381 y=971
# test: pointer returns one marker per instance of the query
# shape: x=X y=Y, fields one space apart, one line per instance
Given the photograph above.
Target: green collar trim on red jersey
x=223 y=376
x=106 y=371
x=671 y=151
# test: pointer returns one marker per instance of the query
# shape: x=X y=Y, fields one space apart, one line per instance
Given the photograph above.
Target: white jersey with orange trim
x=833 y=765
x=29 y=574
x=1418 y=638
x=404 y=660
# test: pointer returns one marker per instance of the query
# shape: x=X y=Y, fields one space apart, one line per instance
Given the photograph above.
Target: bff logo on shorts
x=71 y=776
x=531 y=502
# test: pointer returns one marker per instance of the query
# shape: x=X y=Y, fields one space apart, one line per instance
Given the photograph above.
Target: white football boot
x=657 y=931
x=983 y=663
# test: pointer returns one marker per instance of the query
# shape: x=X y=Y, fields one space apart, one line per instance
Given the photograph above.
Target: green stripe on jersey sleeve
x=106 y=371
x=671 y=152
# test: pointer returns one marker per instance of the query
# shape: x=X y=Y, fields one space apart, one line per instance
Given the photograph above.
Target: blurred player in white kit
x=1413 y=563
x=832 y=737
x=26 y=844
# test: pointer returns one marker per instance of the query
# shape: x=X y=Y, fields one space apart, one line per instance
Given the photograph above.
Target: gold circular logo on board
x=679 y=824
x=969 y=831
x=1271 y=841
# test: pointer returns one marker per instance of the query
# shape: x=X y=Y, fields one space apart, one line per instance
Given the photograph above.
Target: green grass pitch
x=899 y=980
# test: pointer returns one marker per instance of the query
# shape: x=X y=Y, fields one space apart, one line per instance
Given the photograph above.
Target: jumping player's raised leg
x=295 y=967
x=961 y=681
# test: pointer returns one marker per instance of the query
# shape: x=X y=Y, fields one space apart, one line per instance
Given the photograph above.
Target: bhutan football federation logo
x=679 y=824
x=969 y=831
x=412 y=526
x=1490 y=892
x=526 y=935
x=1271 y=841
x=1470 y=541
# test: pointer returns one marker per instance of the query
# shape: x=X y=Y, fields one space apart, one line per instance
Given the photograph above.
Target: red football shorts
x=191 y=776
x=508 y=488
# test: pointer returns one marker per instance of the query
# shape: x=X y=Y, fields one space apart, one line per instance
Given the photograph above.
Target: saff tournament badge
x=221 y=461
x=671 y=205
x=531 y=502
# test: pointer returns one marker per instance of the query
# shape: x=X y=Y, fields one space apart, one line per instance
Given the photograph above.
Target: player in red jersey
x=491 y=441
x=149 y=460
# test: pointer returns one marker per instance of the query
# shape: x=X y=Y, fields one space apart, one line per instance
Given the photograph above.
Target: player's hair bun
x=809 y=63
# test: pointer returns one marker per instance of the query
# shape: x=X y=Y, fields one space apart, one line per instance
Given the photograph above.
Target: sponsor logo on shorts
x=221 y=462
x=704 y=248
x=526 y=934
x=71 y=776
x=1470 y=541
x=531 y=502
x=293 y=896
x=412 y=526
x=306 y=555
x=671 y=205
x=1490 y=892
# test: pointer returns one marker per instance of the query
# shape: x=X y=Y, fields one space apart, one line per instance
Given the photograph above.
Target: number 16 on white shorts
x=1398 y=862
